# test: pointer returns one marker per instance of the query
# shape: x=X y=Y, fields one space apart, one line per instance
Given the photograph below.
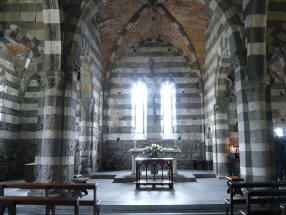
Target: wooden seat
x=262 y=212
x=38 y=200
x=49 y=201
x=261 y=198
x=234 y=188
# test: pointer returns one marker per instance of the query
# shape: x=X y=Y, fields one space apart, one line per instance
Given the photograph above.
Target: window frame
x=139 y=135
x=172 y=112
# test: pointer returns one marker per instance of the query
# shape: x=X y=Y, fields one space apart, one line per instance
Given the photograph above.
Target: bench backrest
x=47 y=186
x=36 y=185
x=254 y=197
x=238 y=185
x=243 y=184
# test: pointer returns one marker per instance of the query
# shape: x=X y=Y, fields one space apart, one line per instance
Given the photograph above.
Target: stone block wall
x=20 y=93
x=134 y=65
x=278 y=87
x=9 y=115
x=26 y=14
x=216 y=42
x=219 y=90
x=276 y=54
x=21 y=24
x=89 y=101
x=276 y=26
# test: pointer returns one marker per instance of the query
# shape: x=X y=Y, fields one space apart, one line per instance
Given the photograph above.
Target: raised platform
x=205 y=196
x=126 y=177
x=113 y=209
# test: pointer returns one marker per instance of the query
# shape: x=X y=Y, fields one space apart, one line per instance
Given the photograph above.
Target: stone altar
x=139 y=153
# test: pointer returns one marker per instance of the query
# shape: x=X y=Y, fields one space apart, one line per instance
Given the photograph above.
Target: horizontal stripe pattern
x=189 y=108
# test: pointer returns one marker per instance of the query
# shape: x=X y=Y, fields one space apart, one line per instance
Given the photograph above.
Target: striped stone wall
x=36 y=23
x=278 y=86
x=134 y=64
x=55 y=159
x=51 y=122
x=259 y=151
x=29 y=126
x=220 y=103
x=21 y=59
x=9 y=114
x=90 y=100
x=19 y=119
x=276 y=26
x=278 y=101
x=27 y=14
x=276 y=44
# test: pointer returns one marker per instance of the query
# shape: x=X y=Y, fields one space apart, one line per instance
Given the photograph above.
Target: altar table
x=136 y=152
x=156 y=178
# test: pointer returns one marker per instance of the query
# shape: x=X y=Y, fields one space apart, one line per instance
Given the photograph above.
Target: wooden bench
x=260 y=198
x=231 y=179
x=235 y=186
x=49 y=201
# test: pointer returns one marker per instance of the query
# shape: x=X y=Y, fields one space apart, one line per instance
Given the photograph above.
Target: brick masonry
x=212 y=39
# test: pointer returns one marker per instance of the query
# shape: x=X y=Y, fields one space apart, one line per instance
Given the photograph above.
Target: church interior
x=88 y=86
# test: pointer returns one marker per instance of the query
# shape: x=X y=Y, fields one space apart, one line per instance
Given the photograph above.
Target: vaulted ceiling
x=182 y=23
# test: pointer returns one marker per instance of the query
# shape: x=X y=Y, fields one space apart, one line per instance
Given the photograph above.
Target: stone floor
x=205 y=196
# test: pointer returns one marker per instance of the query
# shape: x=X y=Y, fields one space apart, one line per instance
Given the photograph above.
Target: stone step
x=103 y=175
x=128 y=178
x=170 y=208
x=204 y=175
x=199 y=209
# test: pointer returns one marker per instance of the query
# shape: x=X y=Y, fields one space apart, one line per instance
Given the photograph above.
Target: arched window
x=168 y=109
x=139 y=108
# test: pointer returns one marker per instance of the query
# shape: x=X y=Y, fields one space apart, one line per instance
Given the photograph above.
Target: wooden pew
x=260 y=198
x=235 y=186
x=49 y=201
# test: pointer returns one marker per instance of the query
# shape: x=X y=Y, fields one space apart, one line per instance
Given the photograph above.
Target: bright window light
x=168 y=109
x=278 y=132
x=139 y=107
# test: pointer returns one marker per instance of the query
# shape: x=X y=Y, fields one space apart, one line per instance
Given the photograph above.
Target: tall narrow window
x=139 y=108
x=168 y=109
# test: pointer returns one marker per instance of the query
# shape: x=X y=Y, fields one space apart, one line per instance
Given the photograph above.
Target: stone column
x=242 y=115
x=221 y=144
x=86 y=142
x=54 y=160
x=260 y=152
x=261 y=147
x=220 y=147
x=87 y=111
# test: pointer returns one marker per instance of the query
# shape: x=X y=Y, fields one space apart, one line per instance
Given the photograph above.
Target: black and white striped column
x=221 y=144
x=259 y=153
x=242 y=115
x=54 y=160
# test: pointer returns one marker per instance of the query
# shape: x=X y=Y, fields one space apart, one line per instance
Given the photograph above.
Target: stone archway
x=232 y=21
x=20 y=96
x=225 y=117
